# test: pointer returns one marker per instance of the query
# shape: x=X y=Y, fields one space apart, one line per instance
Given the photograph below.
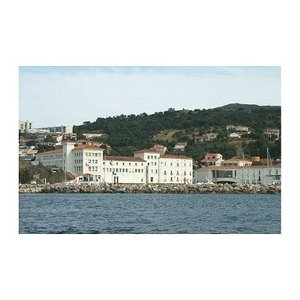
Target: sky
x=52 y=96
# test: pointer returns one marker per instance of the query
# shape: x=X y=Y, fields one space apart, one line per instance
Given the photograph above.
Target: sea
x=149 y=214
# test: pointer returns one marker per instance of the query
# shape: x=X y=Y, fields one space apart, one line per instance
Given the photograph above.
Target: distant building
x=55 y=129
x=238 y=128
x=212 y=159
x=27 y=154
x=207 y=137
x=25 y=126
x=237 y=162
x=160 y=148
x=92 y=135
x=272 y=132
x=235 y=135
x=180 y=146
x=237 y=174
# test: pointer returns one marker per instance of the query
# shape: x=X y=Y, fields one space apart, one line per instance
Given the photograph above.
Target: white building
x=147 y=166
x=207 y=137
x=236 y=174
x=237 y=162
x=180 y=146
x=25 y=126
x=212 y=159
x=238 y=128
x=235 y=135
x=55 y=129
x=272 y=132
x=92 y=135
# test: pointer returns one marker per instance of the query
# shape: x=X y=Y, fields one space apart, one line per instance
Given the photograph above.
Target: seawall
x=205 y=188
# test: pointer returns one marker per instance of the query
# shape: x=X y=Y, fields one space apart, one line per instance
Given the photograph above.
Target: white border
x=130 y=32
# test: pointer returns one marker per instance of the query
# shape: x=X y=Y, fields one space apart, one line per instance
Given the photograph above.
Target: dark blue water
x=149 y=213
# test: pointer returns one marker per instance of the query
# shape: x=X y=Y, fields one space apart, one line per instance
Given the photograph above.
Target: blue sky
x=70 y=95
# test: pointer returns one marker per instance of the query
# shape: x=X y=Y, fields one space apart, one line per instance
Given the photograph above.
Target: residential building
x=235 y=135
x=146 y=166
x=212 y=159
x=25 y=126
x=237 y=162
x=238 y=128
x=207 y=137
x=160 y=148
x=55 y=129
x=272 y=132
x=236 y=174
x=27 y=153
x=180 y=146
x=92 y=135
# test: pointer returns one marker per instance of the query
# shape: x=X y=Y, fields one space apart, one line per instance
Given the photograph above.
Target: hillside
x=128 y=133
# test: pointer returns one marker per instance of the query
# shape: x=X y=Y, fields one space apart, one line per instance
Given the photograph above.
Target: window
x=151 y=156
x=148 y=156
x=151 y=179
x=165 y=172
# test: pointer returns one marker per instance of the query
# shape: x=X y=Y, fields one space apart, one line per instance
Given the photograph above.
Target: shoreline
x=205 y=188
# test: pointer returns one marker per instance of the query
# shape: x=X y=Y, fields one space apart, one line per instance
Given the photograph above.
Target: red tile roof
x=146 y=151
x=238 y=167
x=123 y=158
x=210 y=159
x=58 y=151
x=175 y=156
x=86 y=147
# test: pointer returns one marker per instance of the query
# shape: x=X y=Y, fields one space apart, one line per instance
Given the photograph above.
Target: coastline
x=205 y=188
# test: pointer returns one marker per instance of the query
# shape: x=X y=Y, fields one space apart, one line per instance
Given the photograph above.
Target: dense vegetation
x=28 y=173
x=128 y=133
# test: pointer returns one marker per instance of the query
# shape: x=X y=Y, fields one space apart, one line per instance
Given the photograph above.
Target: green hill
x=128 y=133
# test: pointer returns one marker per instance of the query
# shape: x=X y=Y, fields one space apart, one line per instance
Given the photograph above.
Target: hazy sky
x=70 y=95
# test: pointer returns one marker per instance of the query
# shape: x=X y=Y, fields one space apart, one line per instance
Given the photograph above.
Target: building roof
x=181 y=144
x=237 y=167
x=147 y=150
x=175 y=156
x=210 y=159
x=123 y=158
x=58 y=151
x=213 y=153
x=236 y=160
x=81 y=147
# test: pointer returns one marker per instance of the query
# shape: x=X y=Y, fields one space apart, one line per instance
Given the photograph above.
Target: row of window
x=177 y=164
x=152 y=157
x=177 y=173
x=92 y=154
x=121 y=164
x=123 y=170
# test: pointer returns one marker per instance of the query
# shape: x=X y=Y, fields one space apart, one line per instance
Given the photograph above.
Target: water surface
x=149 y=213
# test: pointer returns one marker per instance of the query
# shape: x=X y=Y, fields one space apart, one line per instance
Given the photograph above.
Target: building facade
x=55 y=129
x=146 y=166
x=237 y=174
x=25 y=126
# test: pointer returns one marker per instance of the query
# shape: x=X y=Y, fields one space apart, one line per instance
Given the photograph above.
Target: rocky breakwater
x=204 y=188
